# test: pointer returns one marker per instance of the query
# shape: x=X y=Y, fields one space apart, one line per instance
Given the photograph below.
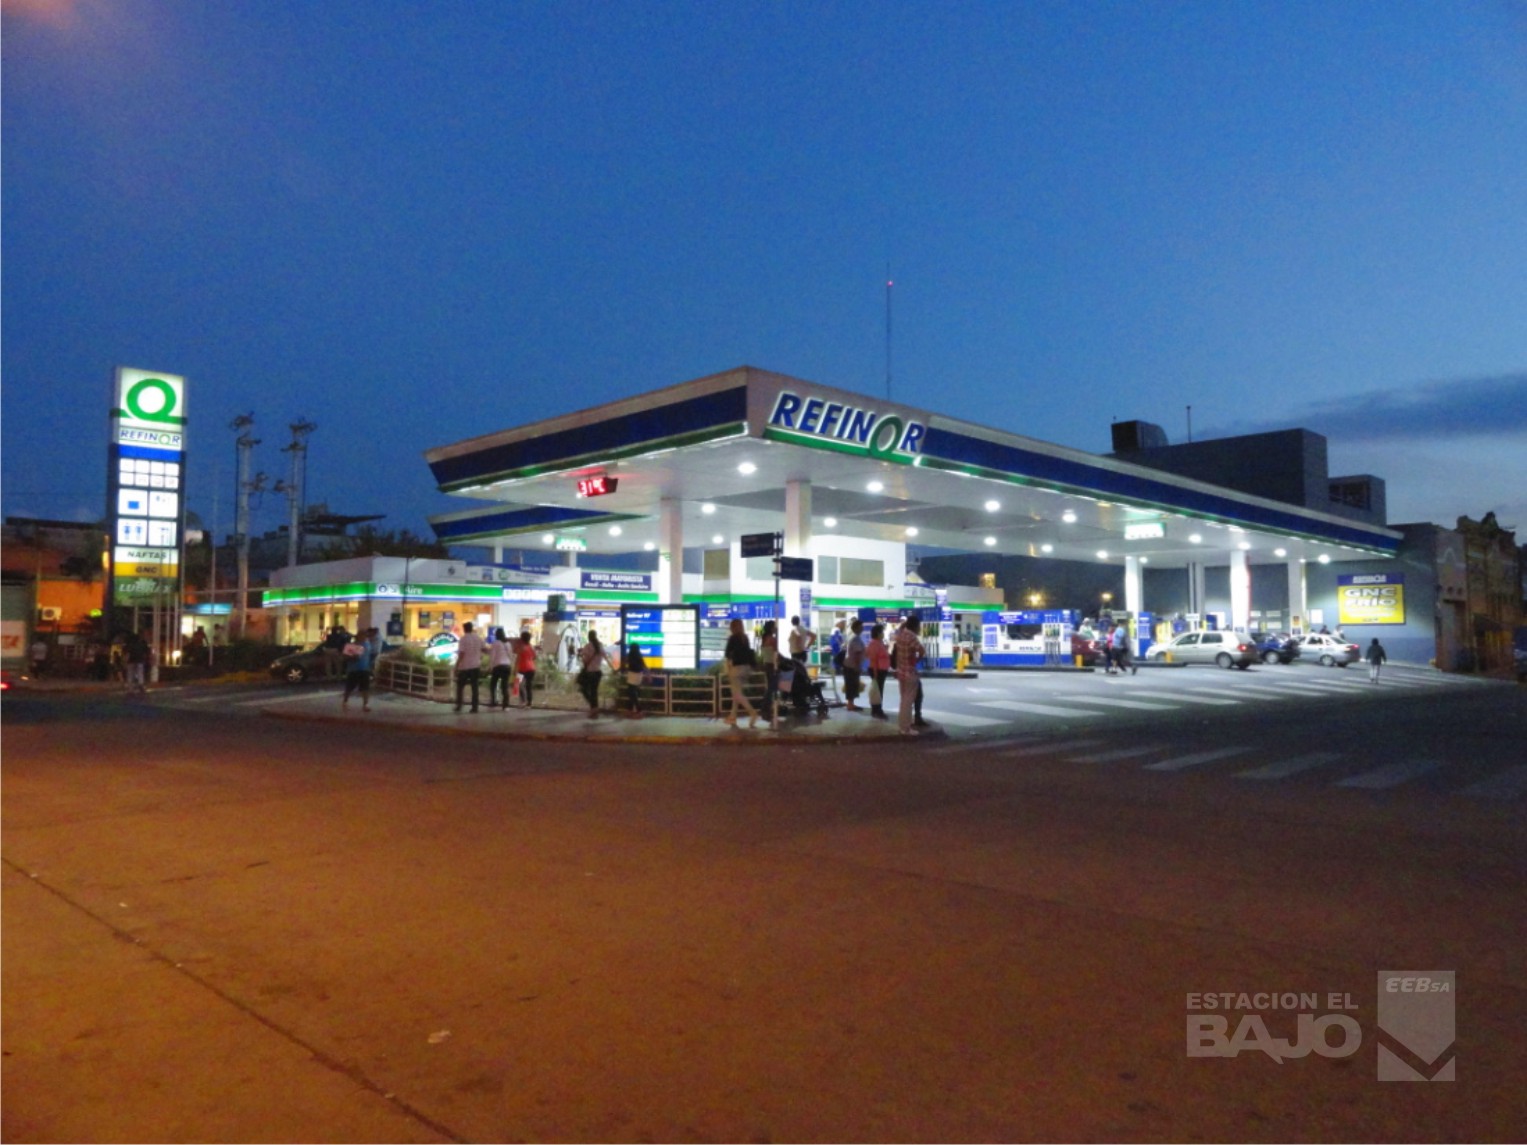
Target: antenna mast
x=888 y=285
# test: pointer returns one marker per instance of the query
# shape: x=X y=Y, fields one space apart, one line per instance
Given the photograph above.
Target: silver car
x=1327 y=649
x=1228 y=649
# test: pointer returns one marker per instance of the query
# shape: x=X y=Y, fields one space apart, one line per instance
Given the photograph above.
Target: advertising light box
x=667 y=634
x=1370 y=598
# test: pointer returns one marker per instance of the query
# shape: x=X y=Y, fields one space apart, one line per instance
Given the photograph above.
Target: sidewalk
x=564 y=724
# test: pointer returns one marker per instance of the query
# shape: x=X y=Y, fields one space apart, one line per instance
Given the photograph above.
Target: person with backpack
x=740 y=662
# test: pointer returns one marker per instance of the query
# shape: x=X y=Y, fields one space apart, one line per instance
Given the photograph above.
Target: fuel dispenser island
x=1027 y=638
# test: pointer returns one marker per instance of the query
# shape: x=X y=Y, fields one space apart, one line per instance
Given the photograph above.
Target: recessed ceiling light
x=1244 y=545
x=649 y=546
x=1068 y=517
x=1195 y=538
x=614 y=530
x=1047 y=548
x=747 y=468
x=1325 y=558
x=1145 y=560
x=911 y=530
x=707 y=508
x=993 y=506
x=1102 y=554
x=548 y=539
x=830 y=522
x=1280 y=552
x=990 y=541
x=876 y=486
x=718 y=539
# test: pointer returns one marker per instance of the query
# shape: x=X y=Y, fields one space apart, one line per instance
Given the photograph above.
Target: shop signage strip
x=593 y=594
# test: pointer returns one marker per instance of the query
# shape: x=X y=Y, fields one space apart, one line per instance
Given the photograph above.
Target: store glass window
x=858 y=571
x=827 y=570
x=718 y=564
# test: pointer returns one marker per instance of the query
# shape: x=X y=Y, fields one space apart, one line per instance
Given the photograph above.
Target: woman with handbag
x=739 y=668
x=592 y=657
x=768 y=660
x=634 y=664
x=879 y=658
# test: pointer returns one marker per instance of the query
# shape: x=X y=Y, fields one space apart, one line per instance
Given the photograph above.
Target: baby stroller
x=805 y=693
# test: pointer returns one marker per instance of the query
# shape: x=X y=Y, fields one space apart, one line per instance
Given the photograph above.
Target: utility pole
x=294 y=488
x=245 y=444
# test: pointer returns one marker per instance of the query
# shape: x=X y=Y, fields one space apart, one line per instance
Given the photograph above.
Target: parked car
x=1228 y=649
x=1085 y=646
x=1327 y=649
x=315 y=663
x=1276 y=647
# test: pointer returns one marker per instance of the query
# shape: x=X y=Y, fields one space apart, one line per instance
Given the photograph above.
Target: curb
x=726 y=739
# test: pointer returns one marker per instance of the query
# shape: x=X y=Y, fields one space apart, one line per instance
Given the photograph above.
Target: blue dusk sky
x=414 y=223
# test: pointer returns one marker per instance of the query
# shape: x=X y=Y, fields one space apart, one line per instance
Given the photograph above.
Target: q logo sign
x=151 y=402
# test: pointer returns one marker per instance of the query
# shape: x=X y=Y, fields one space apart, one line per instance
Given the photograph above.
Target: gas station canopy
x=728 y=455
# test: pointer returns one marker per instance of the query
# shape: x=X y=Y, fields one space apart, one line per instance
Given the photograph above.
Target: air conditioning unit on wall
x=48 y=613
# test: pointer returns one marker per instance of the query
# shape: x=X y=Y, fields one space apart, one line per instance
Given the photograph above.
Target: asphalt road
x=252 y=929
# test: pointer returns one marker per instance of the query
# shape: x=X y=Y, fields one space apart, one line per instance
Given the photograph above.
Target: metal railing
x=661 y=693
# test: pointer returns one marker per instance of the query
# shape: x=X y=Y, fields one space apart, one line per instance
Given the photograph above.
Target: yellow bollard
x=961 y=660
x=1167 y=657
x=1078 y=659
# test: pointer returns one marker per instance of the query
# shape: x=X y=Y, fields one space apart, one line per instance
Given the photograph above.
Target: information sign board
x=667 y=634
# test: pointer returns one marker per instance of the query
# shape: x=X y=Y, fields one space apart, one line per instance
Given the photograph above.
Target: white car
x=1327 y=649
x=1228 y=649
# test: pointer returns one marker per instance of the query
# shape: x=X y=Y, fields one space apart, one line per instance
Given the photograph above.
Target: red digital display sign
x=597 y=486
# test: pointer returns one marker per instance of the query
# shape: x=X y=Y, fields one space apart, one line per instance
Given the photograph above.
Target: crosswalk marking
x=1136 y=705
x=1197 y=758
x=1112 y=756
x=959 y=720
x=1295 y=689
x=1390 y=775
x=1052 y=746
x=1037 y=709
x=1181 y=697
x=1508 y=784
x=1283 y=768
x=983 y=745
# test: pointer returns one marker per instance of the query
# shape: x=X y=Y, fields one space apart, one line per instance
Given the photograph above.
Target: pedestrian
x=137 y=655
x=801 y=641
x=878 y=657
x=500 y=668
x=634 y=665
x=525 y=664
x=739 y=670
x=1375 y=656
x=853 y=665
x=836 y=644
x=906 y=652
x=38 y=654
x=1122 y=653
x=592 y=657
x=360 y=655
x=469 y=652
x=768 y=660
